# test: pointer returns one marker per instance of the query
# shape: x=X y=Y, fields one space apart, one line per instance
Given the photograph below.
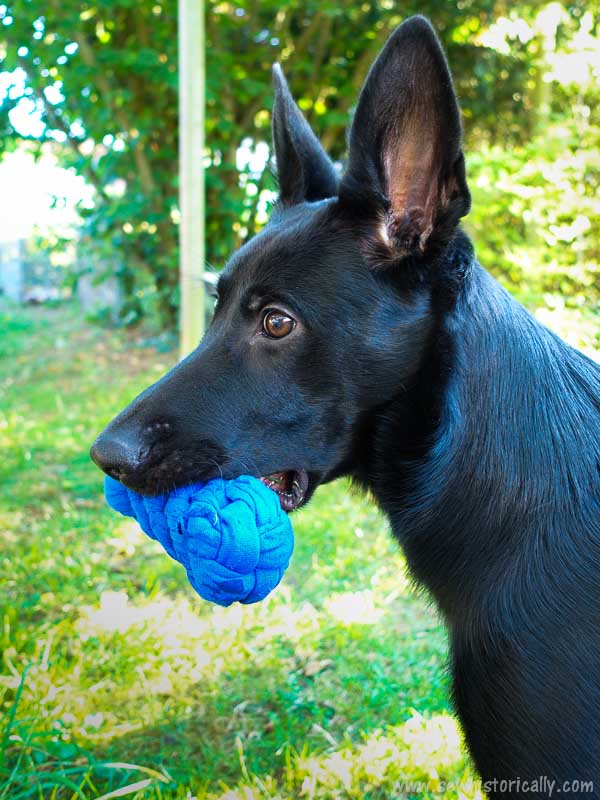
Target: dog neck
x=492 y=452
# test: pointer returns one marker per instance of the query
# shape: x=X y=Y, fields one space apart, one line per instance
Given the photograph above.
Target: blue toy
x=233 y=537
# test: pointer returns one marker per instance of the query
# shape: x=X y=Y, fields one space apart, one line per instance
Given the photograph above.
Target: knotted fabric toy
x=233 y=538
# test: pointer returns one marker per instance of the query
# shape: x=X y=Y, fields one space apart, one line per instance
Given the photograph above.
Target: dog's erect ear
x=303 y=169
x=406 y=168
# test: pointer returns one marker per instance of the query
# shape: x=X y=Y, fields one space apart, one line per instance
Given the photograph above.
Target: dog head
x=326 y=315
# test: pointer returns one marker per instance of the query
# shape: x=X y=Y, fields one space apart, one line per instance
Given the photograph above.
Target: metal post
x=191 y=172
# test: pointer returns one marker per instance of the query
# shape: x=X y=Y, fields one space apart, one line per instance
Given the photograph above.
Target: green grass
x=117 y=681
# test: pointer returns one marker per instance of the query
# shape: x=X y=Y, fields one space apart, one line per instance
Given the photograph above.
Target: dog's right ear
x=406 y=171
x=304 y=170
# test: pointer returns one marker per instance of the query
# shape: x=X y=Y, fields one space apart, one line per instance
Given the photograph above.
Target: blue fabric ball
x=233 y=538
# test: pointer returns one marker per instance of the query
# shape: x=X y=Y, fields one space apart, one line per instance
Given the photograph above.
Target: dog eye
x=277 y=324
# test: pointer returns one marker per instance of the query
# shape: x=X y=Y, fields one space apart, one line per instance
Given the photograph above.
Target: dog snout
x=117 y=455
x=140 y=454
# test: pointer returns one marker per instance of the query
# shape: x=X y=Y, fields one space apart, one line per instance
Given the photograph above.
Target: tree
x=104 y=77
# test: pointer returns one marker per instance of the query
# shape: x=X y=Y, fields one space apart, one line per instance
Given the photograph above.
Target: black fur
x=413 y=371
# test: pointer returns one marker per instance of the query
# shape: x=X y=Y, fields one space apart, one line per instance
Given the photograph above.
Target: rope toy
x=233 y=538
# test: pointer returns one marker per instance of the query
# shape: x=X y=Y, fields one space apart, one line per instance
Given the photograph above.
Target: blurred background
x=115 y=680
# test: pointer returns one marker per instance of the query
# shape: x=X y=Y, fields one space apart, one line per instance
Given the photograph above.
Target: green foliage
x=104 y=76
x=536 y=214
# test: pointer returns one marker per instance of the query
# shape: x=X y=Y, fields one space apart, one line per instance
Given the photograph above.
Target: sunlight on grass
x=356 y=608
x=423 y=757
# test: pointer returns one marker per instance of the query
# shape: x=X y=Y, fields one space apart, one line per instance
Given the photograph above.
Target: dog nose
x=115 y=455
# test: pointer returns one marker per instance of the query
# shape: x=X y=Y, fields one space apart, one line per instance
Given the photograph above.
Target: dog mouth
x=291 y=486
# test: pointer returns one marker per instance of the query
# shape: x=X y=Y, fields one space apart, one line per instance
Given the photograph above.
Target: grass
x=117 y=681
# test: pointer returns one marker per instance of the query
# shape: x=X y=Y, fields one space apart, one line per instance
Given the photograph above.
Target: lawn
x=118 y=681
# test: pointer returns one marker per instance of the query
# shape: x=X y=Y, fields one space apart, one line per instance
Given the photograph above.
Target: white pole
x=191 y=172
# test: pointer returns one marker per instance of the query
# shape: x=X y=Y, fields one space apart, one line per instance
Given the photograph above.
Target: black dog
x=357 y=335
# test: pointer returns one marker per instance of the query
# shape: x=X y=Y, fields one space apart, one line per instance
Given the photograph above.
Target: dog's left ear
x=406 y=171
x=304 y=170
